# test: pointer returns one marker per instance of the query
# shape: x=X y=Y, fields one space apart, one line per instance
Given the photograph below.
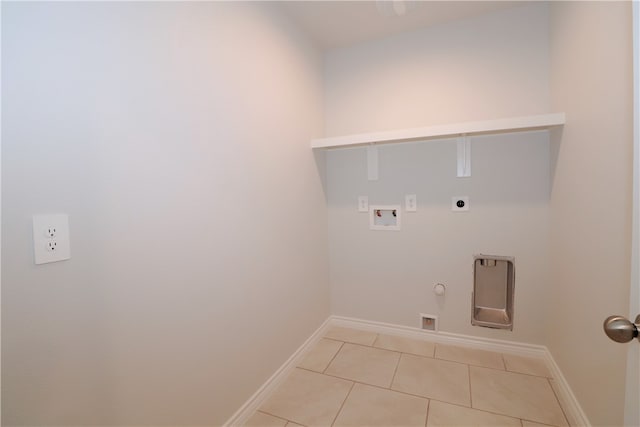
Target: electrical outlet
x=460 y=203
x=51 y=238
x=363 y=204
x=410 y=203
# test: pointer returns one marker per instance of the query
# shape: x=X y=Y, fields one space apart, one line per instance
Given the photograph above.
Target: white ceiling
x=334 y=24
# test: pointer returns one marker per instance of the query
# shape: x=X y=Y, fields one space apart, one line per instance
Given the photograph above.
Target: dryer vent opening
x=493 y=290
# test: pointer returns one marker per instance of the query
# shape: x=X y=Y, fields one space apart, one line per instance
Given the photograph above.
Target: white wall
x=591 y=80
x=175 y=135
x=492 y=66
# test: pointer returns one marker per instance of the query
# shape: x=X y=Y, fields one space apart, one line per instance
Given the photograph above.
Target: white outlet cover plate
x=464 y=200
x=41 y=238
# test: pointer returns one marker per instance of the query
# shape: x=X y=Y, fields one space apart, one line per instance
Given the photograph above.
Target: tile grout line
x=504 y=369
x=343 y=402
x=426 y=420
x=395 y=371
x=332 y=359
x=411 y=395
x=475 y=409
x=351 y=342
x=374 y=340
x=504 y=361
x=401 y=353
x=383 y=349
x=559 y=403
x=507 y=371
x=465 y=363
x=469 y=363
x=276 y=416
x=522 y=420
x=403 y=392
x=434 y=342
x=371 y=385
x=332 y=339
x=373 y=344
x=470 y=394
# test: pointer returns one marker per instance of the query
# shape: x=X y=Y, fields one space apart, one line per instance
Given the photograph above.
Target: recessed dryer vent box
x=384 y=217
x=493 y=291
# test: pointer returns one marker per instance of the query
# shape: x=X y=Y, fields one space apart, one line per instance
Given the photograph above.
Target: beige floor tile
x=372 y=406
x=526 y=423
x=355 y=336
x=447 y=415
x=364 y=364
x=526 y=365
x=405 y=345
x=568 y=414
x=319 y=357
x=290 y=424
x=437 y=379
x=516 y=395
x=308 y=398
x=260 y=419
x=471 y=356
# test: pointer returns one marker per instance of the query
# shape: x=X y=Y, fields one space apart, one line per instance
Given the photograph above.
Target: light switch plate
x=460 y=203
x=363 y=204
x=51 y=238
x=410 y=203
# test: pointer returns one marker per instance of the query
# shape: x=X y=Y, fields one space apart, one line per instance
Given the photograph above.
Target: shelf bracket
x=372 y=162
x=464 y=156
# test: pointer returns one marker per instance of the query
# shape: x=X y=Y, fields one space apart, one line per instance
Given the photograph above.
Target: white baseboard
x=572 y=408
x=260 y=396
x=501 y=346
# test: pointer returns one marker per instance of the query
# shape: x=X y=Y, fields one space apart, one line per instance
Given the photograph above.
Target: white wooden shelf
x=513 y=124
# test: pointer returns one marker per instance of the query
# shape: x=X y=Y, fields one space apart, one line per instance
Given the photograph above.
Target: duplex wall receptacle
x=51 y=238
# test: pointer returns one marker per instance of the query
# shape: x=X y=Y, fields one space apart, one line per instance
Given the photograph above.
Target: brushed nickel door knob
x=621 y=329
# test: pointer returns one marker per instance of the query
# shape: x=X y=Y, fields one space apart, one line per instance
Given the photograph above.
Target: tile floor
x=360 y=378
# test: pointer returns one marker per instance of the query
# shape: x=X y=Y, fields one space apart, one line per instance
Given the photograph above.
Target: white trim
x=632 y=386
x=512 y=124
x=0 y=211
x=570 y=405
x=241 y=416
x=509 y=347
x=572 y=409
